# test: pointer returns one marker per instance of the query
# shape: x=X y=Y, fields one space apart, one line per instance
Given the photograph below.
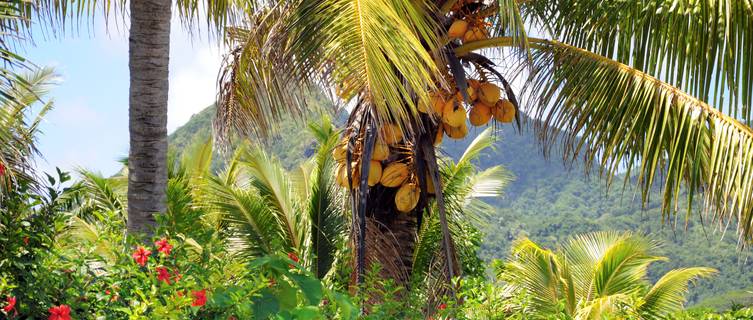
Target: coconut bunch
x=391 y=165
x=460 y=100
x=484 y=103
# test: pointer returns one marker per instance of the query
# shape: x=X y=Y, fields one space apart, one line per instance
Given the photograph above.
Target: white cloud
x=193 y=85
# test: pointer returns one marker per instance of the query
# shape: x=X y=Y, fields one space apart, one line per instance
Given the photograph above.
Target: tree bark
x=149 y=56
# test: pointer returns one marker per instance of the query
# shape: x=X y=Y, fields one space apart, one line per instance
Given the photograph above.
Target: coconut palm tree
x=596 y=276
x=625 y=85
x=149 y=52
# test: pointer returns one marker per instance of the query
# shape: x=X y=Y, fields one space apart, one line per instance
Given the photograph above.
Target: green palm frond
x=253 y=226
x=380 y=50
x=272 y=183
x=702 y=47
x=600 y=275
x=620 y=118
x=538 y=272
x=327 y=216
x=103 y=194
x=668 y=294
x=623 y=267
x=607 y=307
x=19 y=122
x=260 y=83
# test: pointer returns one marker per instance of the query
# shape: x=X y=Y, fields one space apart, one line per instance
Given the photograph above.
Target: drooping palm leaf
x=622 y=119
x=702 y=47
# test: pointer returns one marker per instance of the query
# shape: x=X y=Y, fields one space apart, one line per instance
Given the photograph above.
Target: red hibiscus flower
x=141 y=255
x=199 y=298
x=442 y=306
x=26 y=240
x=163 y=246
x=61 y=312
x=11 y=304
x=163 y=274
x=293 y=257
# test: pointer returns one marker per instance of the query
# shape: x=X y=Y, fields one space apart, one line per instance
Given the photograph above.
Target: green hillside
x=548 y=203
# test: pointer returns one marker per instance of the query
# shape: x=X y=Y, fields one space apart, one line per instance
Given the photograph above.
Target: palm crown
x=611 y=77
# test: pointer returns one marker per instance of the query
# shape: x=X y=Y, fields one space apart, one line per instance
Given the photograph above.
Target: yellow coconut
x=375 y=173
x=504 y=111
x=458 y=132
x=437 y=103
x=342 y=176
x=391 y=134
x=454 y=113
x=457 y=29
x=474 y=34
x=480 y=114
x=438 y=137
x=407 y=197
x=488 y=93
x=381 y=151
x=394 y=175
x=472 y=93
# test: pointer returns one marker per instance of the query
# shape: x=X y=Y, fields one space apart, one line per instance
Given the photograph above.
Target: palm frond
x=667 y=296
x=254 y=226
x=538 y=272
x=606 y=307
x=325 y=211
x=272 y=183
x=620 y=118
x=623 y=267
x=700 y=46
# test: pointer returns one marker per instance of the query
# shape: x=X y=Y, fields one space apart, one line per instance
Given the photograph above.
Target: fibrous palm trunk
x=149 y=51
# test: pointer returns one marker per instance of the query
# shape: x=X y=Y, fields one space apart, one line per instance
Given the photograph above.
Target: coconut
x=375 y=173
x=407 y=197
x=392 y=134
x=394 y=174
x=488 y=93
x=457 y=29
x=454 y=113
x=504 y=111
x=458 y=132
x=472 y=93
x=342 y=176
x=475 y=34
x=381 y=151
x=480 y=114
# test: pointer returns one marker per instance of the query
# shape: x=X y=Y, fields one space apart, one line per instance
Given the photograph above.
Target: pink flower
x=163 y=246
x=141 y=255
x=199 y=298
x=11 y=304
x=163 y=274
x=61 y=312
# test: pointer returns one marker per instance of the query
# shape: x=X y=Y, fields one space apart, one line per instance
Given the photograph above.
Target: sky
x=88 y=127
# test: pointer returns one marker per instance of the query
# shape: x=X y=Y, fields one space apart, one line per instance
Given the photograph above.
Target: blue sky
x=89 y=126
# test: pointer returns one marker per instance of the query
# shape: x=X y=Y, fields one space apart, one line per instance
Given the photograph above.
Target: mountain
x=548 y=203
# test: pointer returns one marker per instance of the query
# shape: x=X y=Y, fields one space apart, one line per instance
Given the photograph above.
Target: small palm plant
x=595 y=276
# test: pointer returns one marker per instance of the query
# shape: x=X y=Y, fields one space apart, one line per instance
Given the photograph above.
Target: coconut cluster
x=391 y=166
x=485 y=104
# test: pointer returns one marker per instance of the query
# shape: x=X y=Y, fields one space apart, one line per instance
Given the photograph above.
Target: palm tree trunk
x=149 y=51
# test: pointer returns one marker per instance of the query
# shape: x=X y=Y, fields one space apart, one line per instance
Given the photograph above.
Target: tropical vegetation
x=377 y=224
